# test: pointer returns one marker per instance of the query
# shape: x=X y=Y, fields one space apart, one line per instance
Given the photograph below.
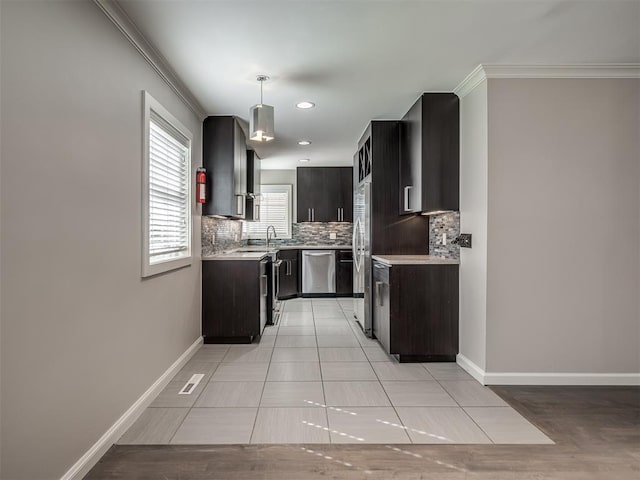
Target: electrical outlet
x=332 y=236
x=444 y=239
x=464 y=240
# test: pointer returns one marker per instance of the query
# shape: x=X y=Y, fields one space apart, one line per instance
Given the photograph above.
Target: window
x=166 y=191
x=275 y=209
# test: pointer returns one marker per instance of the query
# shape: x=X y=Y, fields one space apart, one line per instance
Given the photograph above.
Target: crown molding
x=604 y=70
x=471 y=81
x=121 y=20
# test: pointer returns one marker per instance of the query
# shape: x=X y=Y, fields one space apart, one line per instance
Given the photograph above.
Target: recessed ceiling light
x=304 y=160
x=305 y=105
x=304 y=142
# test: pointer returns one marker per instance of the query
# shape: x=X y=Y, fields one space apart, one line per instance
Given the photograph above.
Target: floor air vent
x=191 y=385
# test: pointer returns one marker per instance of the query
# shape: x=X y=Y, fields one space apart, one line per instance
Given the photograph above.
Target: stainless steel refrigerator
x=362 y=255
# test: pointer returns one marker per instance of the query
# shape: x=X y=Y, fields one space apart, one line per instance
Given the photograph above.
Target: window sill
x=149 y=270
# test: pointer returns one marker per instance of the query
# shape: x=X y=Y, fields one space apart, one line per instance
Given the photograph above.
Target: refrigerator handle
x=354 y=244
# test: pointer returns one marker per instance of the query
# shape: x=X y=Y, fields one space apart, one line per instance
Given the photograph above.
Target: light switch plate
x=332 y=236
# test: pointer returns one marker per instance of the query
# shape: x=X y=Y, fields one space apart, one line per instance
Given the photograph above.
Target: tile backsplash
x=219 y=234
x=315 y=233
x=448 y=223
x=228 y=235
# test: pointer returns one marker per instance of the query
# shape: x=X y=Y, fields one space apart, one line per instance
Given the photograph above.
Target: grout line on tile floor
x=264 y=384
x=405 y=427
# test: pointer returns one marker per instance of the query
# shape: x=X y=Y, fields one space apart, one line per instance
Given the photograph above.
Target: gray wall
x=83 y=336
x=563 y=225
x=473 y=219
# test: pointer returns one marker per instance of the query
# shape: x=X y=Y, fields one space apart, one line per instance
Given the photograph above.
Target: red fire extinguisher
x=201 y=185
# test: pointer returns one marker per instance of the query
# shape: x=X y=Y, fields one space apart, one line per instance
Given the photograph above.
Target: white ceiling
x=364 y=59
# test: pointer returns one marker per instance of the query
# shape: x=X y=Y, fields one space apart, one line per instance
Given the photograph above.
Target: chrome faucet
x=271 y=228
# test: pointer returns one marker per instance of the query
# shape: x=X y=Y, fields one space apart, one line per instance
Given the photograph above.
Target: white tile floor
x=315 y=378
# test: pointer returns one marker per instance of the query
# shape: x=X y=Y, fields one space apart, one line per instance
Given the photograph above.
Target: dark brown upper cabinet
x=325 y=194
x=253 y=186
x=430 y=155
x=224 y=155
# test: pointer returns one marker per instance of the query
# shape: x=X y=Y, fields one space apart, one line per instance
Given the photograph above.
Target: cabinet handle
x=313 y=214
x=338 y=214
x=379 y=293
x=407 y=191
x=263 y=285
x=240 y=205
x=308 y=214
x=342 y=214
x=288 y=268
x=256 y=215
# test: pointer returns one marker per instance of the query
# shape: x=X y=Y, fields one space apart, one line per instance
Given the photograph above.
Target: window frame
x=149 y=269
x=277 y=188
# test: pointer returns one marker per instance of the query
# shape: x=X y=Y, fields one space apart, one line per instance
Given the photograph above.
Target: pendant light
x=261 y=118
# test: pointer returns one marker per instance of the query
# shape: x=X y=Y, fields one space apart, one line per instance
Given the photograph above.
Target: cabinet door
x=253 y=186
x=304 y=197
x=381 y=305
x=344 y=272
x=411 y=160
x=288 y=274
x=330 y=208
x=312 y=197
x=232 y=299
x=346 y=194
x=239 y=170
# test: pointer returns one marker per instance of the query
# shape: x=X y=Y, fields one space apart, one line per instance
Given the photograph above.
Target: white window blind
x=168 y=193
x=275 y=209
x=167 y=206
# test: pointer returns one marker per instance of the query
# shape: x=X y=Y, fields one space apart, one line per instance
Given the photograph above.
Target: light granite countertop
x=258 y=252
x=414 y=260
x=237 y=256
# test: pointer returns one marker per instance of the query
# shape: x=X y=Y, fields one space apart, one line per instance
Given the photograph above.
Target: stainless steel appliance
x=318 y=272
x=275 y=312
x=272 y=274
x=362 y=255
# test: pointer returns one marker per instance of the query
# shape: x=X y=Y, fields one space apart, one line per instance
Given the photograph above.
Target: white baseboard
x=471 y=368
x=95 y=453
x=547 y=378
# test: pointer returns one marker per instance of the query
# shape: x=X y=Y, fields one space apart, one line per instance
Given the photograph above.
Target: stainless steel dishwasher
x=318 y=272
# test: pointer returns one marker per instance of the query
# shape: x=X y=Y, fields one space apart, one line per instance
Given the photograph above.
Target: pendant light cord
x=261 y=81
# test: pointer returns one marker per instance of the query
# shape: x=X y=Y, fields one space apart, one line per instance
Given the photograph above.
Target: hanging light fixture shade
x=261 y=118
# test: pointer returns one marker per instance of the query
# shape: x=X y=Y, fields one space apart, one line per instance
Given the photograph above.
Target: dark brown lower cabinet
x=415 y=311
x=344 y=273
x=288 y=274
x=234 y=300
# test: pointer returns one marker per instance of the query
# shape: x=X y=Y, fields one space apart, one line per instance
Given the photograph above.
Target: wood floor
x=596 y=430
